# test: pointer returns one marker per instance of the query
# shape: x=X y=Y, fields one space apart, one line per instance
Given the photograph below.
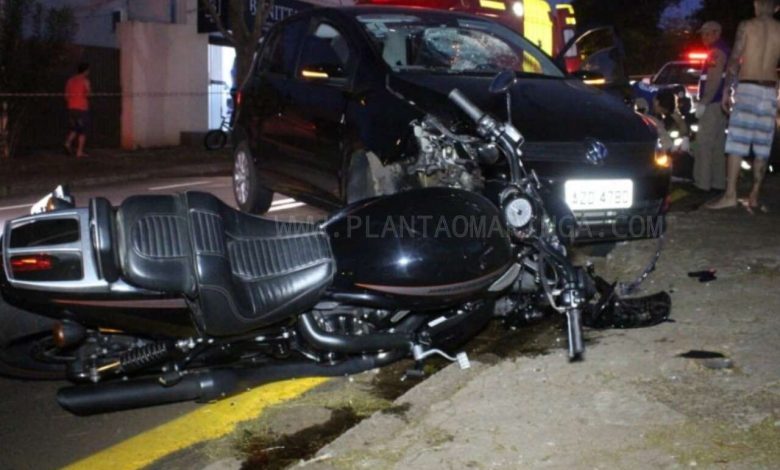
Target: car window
x=282 y=50
x=663 y=75
x=325 y=54
x=417 y=42
x=682 y=74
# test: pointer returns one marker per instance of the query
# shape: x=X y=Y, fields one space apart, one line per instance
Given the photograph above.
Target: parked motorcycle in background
x=180 y=297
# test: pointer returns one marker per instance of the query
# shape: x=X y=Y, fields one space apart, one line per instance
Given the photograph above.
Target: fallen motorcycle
x=168 y=298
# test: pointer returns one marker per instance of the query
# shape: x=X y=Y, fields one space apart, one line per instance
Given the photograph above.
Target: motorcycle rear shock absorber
x=131 y=361
x=146 y=356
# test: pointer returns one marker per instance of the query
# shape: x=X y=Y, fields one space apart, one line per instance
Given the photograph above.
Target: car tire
x=21 y=333
x=250 y=195
x=361 y=183
x=215 y=140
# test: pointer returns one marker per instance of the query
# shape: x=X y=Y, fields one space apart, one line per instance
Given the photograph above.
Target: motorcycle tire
x=215 y=140
x=250 y=195
x=21 y=335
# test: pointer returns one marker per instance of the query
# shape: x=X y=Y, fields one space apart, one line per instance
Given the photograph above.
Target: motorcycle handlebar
x=466 y=105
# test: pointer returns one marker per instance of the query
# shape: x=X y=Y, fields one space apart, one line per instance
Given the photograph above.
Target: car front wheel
x=250 y=195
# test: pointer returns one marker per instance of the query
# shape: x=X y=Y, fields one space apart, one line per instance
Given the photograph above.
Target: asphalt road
x=34 y=431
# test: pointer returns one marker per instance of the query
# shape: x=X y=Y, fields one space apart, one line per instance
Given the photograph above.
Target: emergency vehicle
x=550 y=27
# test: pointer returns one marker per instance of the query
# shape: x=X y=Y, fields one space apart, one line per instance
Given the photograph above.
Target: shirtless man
x=752 y=123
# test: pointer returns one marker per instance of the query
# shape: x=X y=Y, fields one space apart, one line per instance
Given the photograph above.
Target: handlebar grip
x=576 y=342
x=467 y=106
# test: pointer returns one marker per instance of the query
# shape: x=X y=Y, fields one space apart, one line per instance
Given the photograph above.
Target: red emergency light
x=698 y=56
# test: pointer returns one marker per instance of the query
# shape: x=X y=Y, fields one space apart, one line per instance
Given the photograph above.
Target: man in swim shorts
x=752 y=123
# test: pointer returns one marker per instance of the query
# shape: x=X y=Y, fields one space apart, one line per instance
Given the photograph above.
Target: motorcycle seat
x=239 y=271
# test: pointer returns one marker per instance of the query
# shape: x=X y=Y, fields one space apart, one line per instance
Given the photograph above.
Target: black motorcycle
x=169 y=298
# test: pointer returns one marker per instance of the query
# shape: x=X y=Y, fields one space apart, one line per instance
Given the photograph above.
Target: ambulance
x=550 y=27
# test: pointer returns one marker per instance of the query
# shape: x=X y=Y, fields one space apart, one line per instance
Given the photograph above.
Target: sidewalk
x=703 y=391
x=41 y=172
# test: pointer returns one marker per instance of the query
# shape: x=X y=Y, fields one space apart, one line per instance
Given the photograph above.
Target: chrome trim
x=506 y=279
x=90 y=282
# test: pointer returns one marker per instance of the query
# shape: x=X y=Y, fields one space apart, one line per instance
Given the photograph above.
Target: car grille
x=574 y=152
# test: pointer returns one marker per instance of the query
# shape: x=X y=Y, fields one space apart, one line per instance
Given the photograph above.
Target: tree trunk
x=5 y=141
x=244 y=56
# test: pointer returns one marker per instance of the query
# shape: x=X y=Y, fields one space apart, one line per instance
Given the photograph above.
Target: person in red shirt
x=77 y=91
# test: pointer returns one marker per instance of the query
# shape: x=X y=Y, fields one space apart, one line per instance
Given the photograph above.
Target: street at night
x=389 y=234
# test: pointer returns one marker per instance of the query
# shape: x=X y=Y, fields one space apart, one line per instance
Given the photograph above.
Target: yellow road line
x=209 y=422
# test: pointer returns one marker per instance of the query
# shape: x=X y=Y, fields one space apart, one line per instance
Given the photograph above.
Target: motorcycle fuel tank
x=418 y=249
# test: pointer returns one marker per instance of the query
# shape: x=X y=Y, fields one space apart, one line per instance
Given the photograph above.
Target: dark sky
x=686 y=8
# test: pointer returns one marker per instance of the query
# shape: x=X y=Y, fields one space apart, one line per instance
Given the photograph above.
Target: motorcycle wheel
x=215 y=140
x=25 y=339
x=250 y=195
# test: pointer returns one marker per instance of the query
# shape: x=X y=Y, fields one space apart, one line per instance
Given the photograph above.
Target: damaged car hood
x=543 y=109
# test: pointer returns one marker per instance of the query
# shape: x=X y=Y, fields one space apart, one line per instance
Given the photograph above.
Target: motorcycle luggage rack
x=72 y=247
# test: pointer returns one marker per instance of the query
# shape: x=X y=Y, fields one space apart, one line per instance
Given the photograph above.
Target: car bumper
x=644 y=219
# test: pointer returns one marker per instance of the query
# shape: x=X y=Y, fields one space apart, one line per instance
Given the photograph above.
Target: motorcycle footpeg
x=461 y=358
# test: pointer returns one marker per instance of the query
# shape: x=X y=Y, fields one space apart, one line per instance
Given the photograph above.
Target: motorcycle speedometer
x=518 y=212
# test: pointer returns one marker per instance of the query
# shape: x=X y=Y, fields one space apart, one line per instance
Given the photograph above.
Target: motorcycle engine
x=444 y=158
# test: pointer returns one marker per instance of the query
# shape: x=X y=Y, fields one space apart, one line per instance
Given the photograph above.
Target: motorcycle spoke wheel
x=33 y=357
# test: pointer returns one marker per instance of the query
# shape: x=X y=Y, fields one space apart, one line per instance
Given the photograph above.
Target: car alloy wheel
x=241 y=176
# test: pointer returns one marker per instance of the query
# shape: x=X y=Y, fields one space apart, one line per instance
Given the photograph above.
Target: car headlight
x=662 y=158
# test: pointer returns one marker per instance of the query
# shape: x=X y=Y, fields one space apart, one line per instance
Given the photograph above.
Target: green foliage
x=34 y=43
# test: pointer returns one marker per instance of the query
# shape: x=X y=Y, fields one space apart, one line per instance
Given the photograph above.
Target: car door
x=596 y=56
x=317 y=103
x=273 y=133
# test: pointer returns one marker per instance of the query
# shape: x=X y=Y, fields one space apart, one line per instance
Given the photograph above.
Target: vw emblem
x=595 y=152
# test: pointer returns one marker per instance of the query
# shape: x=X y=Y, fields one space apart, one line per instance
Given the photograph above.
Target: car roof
x=356 y=10
x=681 y=62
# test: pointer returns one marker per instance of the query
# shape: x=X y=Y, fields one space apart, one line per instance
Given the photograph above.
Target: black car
x=332 y=114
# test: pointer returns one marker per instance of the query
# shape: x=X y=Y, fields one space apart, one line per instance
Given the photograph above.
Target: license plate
x=599 y=194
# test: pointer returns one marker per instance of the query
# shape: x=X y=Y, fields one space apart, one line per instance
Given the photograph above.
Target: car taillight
x=238 y=99
x=31 y=263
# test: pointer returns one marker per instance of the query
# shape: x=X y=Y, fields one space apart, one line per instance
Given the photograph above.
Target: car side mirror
x=502 y=82
x=590 y=77
x=322 y=72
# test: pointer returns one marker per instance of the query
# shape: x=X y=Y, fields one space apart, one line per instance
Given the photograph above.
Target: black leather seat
x=240 y=271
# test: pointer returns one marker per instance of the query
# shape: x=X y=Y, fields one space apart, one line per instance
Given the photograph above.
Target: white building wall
x=164 y=75
x=94 y=17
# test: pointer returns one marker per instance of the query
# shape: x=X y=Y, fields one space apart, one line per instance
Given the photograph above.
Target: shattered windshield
x=457 y=46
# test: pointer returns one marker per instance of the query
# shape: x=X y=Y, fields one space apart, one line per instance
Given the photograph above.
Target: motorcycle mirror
x=503 y=81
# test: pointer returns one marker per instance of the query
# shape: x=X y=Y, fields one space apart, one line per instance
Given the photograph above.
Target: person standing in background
x=753 y=63
x=77 y=91
x=709 y=166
